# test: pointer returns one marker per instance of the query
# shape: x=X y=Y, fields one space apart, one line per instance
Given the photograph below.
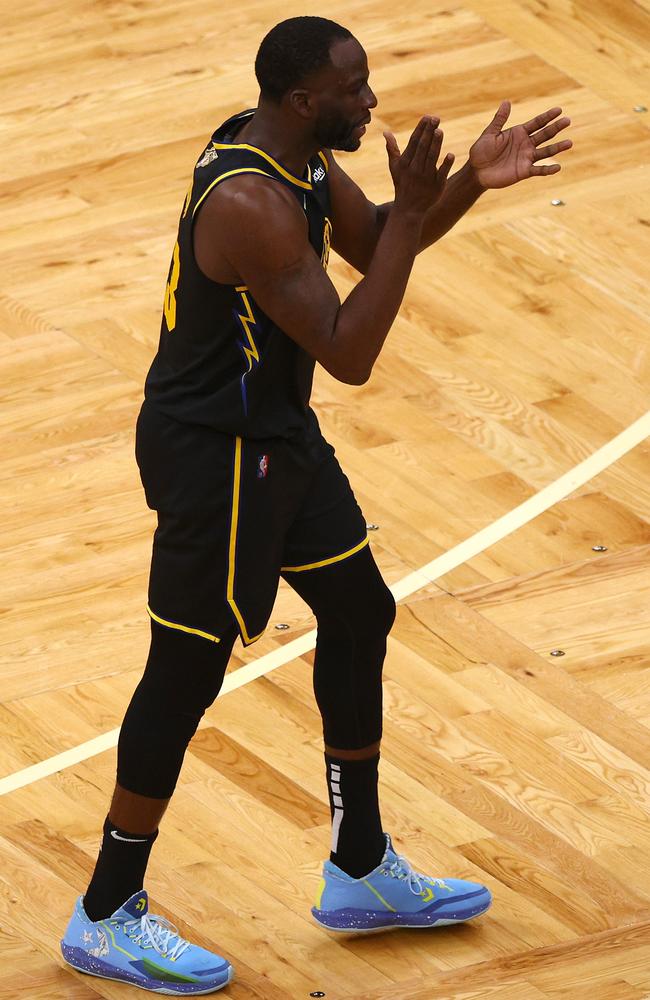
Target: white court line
x=482 y=540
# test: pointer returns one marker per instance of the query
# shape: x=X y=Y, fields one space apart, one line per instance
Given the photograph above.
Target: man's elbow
x=355 y=378
x=351 y=371
x=347 y=375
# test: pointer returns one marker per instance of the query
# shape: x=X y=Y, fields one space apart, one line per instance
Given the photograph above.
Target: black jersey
x=221 y=361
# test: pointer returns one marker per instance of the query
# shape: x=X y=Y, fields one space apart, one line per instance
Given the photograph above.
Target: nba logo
x=262 y=466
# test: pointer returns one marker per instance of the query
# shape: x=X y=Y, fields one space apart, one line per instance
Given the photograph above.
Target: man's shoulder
x=252 y=194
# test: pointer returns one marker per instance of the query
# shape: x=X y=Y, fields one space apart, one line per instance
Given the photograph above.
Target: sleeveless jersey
x=221 y=361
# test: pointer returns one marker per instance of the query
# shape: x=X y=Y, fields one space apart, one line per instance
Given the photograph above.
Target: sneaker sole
x=345 y=922
x=386 y=928
x=161 y=988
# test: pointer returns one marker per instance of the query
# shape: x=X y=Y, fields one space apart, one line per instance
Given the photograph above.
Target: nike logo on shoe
x=131 y=840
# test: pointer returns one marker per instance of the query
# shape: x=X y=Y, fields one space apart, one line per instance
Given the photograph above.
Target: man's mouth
x=361 y=127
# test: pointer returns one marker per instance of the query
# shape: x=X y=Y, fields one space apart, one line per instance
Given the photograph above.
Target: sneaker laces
x=402 y=868
x=156 y=931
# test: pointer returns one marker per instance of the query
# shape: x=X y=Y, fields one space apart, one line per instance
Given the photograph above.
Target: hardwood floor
x=521 y=348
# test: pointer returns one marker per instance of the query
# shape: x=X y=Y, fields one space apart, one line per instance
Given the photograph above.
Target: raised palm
x=500 y=158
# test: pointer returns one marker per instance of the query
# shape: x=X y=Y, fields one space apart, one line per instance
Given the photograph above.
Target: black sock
x=119 y=871
x=358 y=841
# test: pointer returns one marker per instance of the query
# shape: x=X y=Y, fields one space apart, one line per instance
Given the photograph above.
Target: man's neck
x=268 y=131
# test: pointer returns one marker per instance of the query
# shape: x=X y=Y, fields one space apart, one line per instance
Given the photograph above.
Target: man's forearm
x=366 y=316
x=461 y=192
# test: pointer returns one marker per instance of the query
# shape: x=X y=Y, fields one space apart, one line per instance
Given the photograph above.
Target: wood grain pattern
x=521 y=347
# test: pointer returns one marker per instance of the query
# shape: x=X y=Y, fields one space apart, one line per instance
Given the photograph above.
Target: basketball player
x=247 y=490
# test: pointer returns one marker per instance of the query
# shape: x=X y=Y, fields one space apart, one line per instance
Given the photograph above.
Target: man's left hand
x=499 y=158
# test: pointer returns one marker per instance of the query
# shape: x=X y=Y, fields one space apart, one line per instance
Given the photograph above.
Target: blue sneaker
x=393 y=895
x=134 y=946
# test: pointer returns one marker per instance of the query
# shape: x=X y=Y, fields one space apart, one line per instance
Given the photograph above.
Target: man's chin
x=347 y=145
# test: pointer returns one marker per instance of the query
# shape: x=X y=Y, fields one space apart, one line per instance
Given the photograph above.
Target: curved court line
x=482 y=540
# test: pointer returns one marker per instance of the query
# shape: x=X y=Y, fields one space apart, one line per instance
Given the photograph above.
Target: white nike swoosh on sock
x=131 y=840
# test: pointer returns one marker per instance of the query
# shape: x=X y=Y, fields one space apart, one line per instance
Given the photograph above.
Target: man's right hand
x=419 y=181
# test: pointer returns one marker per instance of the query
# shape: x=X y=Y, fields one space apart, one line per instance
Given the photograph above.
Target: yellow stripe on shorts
x=326 y=562
x=183 y=628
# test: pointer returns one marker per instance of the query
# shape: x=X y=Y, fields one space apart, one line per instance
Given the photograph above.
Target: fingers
x=445 y=167
x=419 y=182
x=552 y=150
x=552 y=168
x=414 y=141
x=391 y=145
x=427 y=154
x=541 y=120
x=422 y=134
x=500 y=118
x=550 y=131
x=422 y=154
x=428 y=163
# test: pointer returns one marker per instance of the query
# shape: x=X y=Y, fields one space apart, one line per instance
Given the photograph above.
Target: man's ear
x=301 y=103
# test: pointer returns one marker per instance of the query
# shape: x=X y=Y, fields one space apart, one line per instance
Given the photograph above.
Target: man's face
x=342 y=97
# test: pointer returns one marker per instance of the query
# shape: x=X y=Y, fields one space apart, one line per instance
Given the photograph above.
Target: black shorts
x=234 y=514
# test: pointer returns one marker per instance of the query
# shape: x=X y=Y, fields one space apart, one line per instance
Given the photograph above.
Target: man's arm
x=497 y=159
x=358 y=224
x=461 y=192
x=258 y=227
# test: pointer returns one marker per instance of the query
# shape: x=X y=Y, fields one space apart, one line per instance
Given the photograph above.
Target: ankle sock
x=358 y=841
x=119 y=871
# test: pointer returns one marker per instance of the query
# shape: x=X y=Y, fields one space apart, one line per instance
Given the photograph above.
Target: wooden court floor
x=521 y=349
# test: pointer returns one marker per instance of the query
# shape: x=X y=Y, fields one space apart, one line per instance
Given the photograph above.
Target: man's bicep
x=356 y=222
x=299 y=298
x=267 y=244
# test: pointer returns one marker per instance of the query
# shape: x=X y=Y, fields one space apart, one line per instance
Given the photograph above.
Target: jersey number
x=170 y=289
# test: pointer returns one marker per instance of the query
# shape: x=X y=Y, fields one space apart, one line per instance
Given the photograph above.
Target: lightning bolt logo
x=251 y=353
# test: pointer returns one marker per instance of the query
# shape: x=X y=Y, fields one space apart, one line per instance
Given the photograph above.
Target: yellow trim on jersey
x=229 y=173
x=269 y=159
x=188 y=198
x=233 y=546
x=183 y=628
x=326 y=562
x=324 y=159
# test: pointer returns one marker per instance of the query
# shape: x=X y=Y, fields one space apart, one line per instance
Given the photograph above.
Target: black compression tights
x=354 y=611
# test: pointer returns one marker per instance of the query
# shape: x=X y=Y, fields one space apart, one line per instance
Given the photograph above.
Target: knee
x=366 y=618
x=387 y=609
x=184 y=672
x=373 y=614
x=182 y=678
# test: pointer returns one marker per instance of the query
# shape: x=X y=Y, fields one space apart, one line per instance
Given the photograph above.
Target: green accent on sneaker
x=115 y=944
x=379 y=896
x=157 y=972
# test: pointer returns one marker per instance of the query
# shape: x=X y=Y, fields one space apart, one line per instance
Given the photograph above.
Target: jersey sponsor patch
x=318 y=174
x=209 y=155
x=262 y=466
